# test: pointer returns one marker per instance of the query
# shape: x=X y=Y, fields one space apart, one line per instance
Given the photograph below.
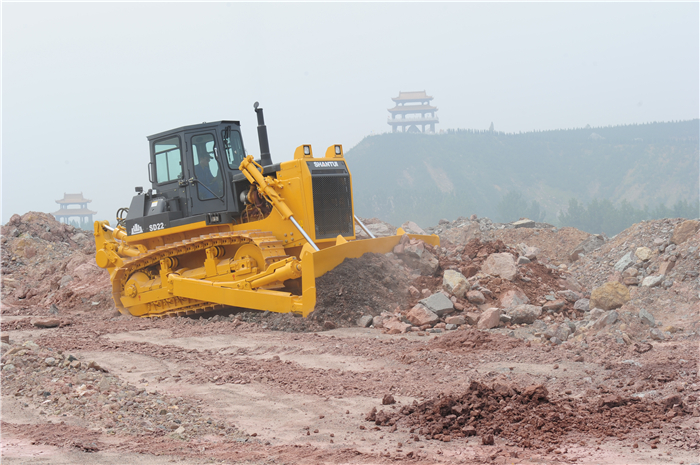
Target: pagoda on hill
x=64 y=213
x=410 y=117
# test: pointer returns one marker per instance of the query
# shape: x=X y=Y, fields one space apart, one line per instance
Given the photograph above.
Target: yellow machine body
x=265 y=263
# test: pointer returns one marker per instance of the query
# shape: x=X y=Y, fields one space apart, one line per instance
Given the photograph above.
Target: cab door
x=206 y=187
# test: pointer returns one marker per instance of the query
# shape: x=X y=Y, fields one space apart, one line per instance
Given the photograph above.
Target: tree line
x=597 y=216
x=602 y=216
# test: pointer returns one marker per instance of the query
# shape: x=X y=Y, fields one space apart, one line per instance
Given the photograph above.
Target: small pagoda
x=64 y=213
x=419 y=113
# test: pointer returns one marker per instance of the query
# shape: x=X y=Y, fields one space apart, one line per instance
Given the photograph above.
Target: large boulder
x=609 y=296
x=513 y=297
x=455 y=283
x=420 y=315
x=501 y=265
x=491 y=318
x=395 y=326
x=685 y=231
x=524 y=314
x=439 y=304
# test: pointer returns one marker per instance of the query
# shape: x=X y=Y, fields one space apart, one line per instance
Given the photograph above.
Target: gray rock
x=657 y=334
x=523 y=223
x=607 y=319
x=8 y=367
x=652 y=281
x=412 y=228
x=625 y=262
x=505 y=318
x=65 y=280
x=595 y=314
x=647 y=317
x=438 y=303
x=589 y=245
x=528 y=252
x=555 y=340
x=365 y=321
x=582 y=305
x=571 y=325
x=523 y=260
x=450 y=327
x=539 y=325
x=569 y=295
x=524 y=314
x=50 y=361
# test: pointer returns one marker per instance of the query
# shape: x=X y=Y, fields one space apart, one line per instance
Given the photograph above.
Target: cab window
x=168 y=160
x=206 y=168
x=233 y=147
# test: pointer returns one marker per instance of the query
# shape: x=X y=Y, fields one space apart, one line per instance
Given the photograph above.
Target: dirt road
x=275 y=397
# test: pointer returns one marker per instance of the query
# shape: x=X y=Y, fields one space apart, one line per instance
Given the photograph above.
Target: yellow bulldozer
x=219 y=229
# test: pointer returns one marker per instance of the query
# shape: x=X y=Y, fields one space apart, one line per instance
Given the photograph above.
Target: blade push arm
x=266 y=187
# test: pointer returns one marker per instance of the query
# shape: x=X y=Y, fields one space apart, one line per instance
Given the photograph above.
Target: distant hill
x=425 y=177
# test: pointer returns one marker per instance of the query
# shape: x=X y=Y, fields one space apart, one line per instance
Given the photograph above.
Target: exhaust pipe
x=265 y=158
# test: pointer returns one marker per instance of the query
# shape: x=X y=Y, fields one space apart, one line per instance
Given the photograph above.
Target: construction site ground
x=83 y=384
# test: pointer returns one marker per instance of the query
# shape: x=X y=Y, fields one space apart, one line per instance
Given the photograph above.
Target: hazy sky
x=83 y=84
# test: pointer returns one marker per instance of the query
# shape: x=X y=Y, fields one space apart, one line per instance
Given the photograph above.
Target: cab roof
x=193 y=127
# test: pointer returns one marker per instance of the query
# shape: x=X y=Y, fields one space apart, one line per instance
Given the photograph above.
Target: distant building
x=410 y=117
x=64 y=213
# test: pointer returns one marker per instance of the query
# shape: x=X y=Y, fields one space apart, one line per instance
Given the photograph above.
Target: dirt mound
x=527 y=416
x=368 y=285
x=470 y=340
x=46 y=263
x=555 y=244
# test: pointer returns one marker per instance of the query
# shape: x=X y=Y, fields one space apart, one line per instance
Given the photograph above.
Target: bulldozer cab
x=195 y=176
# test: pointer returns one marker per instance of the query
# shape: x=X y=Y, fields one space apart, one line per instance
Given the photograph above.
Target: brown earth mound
x=367 y=285
x=46 y=263
x=470 y=340
x=527 y=416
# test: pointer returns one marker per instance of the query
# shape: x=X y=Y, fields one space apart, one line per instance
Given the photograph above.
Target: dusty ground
x=266 y=388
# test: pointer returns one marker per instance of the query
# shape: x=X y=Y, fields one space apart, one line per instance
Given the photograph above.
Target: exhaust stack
x=265 y=158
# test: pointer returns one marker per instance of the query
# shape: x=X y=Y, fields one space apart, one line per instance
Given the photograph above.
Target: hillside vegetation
x=425 y=177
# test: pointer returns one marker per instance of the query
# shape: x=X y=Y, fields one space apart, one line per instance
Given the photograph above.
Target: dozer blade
x=313 y=265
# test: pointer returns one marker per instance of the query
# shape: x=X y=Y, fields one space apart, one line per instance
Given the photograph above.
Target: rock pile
x=527 y=416
x=49 y=265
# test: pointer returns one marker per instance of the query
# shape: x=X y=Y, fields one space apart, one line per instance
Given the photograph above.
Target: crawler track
x=270 y=247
